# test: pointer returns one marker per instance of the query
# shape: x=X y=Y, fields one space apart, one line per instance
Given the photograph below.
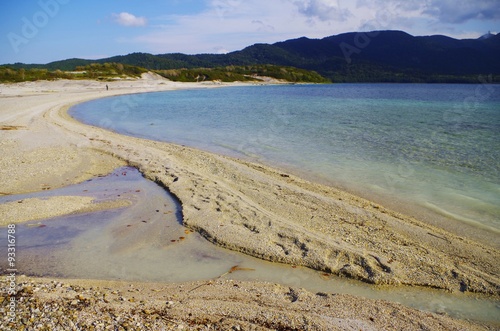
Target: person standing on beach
x=107 y=88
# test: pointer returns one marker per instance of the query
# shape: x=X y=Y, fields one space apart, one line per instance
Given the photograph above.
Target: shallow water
x=147 y=242
x=435 y=147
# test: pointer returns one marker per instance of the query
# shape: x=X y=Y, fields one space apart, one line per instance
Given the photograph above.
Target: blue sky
x=41 y=31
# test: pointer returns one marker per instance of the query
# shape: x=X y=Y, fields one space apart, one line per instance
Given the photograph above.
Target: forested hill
x=380 y=56
x=396 y=55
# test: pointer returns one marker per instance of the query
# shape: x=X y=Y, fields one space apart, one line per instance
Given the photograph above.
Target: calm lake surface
x=436 y=147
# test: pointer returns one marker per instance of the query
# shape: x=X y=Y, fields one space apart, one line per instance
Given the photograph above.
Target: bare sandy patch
x=42 y=208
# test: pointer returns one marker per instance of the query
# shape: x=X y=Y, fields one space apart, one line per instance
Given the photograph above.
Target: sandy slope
x=239 y=205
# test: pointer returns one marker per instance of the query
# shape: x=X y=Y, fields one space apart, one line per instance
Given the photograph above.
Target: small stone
x=80 y=297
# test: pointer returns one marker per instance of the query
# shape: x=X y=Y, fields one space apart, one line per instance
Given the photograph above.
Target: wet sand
x=239 y=205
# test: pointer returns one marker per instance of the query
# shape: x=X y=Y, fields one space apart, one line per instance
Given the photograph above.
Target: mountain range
x=377 y=56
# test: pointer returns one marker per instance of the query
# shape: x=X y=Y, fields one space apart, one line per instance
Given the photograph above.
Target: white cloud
x=461 y=11
x=442 y=11
x=232 y=25
x=325 y=10
x=228 y=25
x=263 y=26
x=127 y=19
x=220 y=50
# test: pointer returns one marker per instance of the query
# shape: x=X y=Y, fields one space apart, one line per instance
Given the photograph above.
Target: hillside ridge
x=376 y=56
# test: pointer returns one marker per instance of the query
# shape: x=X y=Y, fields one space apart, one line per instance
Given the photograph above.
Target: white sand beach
x=239 y=205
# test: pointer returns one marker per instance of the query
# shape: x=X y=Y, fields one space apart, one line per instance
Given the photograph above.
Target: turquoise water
x=434 y=146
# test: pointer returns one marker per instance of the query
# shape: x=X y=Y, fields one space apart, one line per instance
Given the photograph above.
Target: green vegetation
x=110 y=71
x=243 y=73
x=371 y=73
x=21 y=75
x=97 y=71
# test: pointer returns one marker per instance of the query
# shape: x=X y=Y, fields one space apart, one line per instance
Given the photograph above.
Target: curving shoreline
x=236 y=204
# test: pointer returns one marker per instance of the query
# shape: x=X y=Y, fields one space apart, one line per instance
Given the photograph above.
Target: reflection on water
x=147 y=242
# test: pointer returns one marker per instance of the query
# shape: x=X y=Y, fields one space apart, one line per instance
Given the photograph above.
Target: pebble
x=74 y=308
x=62 y=310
